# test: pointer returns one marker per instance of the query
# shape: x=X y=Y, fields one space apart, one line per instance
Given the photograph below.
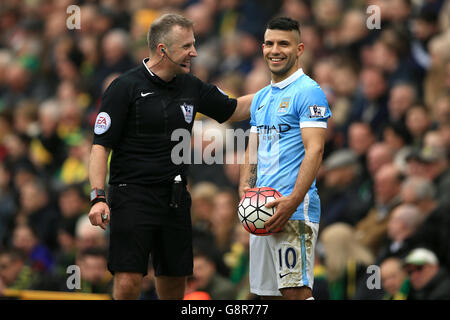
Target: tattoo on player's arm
x=251 y=181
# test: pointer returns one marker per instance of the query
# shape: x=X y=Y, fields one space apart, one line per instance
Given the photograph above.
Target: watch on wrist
x=97 y=194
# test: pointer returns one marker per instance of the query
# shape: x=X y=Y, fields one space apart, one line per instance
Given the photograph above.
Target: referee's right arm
x=97 y=175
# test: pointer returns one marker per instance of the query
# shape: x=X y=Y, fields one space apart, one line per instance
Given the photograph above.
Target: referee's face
x=182 y=49
x=281 y=50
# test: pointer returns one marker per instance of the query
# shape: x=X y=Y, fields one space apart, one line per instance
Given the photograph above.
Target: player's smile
x=276 y=60
x=281 y=50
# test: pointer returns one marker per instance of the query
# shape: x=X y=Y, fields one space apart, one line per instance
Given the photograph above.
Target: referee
x=149 y=211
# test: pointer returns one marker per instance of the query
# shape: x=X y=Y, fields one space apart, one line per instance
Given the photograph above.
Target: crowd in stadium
x=385 y=178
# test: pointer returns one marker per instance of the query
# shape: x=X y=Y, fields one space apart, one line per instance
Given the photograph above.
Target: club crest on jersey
x=284 y=104
x=316 y=111
x=102 y=123
x=188 y=112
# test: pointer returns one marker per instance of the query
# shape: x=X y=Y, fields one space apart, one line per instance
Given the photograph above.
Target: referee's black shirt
x=138 y=114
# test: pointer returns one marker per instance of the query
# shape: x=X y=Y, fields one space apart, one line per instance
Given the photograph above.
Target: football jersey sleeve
x=112 y=115
x=313 y=109
x=255 y=102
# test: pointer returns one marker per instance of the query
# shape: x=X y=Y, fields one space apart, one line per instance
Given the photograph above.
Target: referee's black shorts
x=143 y=224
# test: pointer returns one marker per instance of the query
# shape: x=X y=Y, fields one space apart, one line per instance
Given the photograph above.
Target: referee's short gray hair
x=159 y=31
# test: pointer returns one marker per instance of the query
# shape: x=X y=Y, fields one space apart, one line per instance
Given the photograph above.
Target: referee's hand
x=98 y=213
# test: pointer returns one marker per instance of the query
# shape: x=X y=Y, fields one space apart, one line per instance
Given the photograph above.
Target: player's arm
x=242 y=111
x=314 y=141
x=248 y=170
x=98 y=166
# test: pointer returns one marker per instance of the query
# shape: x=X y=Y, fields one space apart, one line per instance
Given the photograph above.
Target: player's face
x=182 y=49
x=281 y=50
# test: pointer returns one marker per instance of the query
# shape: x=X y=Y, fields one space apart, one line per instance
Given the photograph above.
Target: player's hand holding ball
x=254 y=212
x=285 y=207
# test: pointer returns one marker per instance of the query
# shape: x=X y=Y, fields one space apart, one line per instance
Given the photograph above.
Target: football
x=252 y=211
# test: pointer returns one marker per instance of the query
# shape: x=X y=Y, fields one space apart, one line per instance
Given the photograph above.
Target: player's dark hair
x=283 y=23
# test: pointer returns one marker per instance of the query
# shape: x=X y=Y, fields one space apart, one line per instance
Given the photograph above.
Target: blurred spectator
x=95 y=277
x=7 y=202
x=24 y=118
x=432 y=163
x=299 y=10
x=352 y=32
x=400 y=11
x=403 y=223
x=340 y=193
x=209 y=280
x=88 y=236
x=378 y=155
x=428 y=279
x=371 y=103
x=47 y=149
x=360 y=138
x=74 y=169
x=224 y=218
x=67 y=244
x=345 y=84
x=401 y=97
x=436 y=79
x=115 y=57
x=207 y=43
x=345 y=260
x=18 y=85
x=37 y=210
x=389 y=54
x=394 y=279
x=38 y=256
x=371 y=230
x=418 y=122
x=432 y=233
x=72 y=203
x=396 y=135
x=203 y=205
x=237 y=260
x=424 y=27
x=71 y=121
x=16 y=146
x=14 y=273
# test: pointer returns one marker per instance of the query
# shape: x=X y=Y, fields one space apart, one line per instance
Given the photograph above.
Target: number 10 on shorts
x=287 y=259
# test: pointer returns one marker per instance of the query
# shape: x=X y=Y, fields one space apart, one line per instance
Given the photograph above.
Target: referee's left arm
x=242 y=111
x=97 y=175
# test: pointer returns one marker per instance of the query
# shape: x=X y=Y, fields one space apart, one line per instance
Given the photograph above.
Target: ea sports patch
x=102 y=123
x=316 y=111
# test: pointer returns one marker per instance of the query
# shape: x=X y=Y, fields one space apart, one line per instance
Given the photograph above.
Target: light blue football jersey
x=278 y=112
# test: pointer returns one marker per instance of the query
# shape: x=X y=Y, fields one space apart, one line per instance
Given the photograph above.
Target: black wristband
x=99 y=199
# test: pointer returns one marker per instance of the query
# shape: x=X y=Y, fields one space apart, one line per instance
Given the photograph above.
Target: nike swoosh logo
x=284 y=275
x=260 y=107
x=145 y=94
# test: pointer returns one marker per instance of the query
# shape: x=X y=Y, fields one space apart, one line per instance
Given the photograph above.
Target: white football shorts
x=284 y=259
